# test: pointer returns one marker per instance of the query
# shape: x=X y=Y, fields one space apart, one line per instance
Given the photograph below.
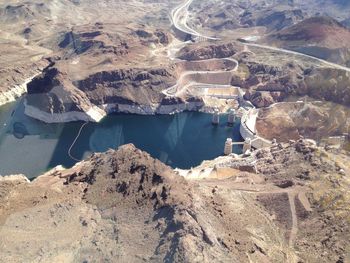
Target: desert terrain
x=282 y=67
x=292 y=206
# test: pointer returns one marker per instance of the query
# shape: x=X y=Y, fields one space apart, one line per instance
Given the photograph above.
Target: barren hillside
x=124 y=205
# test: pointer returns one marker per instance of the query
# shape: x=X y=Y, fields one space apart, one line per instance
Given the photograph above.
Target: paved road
x=179 y=17
x=330 y=64
x=177 y=88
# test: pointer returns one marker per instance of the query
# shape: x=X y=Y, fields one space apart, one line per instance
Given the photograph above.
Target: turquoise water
x=183 y=140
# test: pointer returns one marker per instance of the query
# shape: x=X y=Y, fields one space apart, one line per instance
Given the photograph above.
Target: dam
x=183 y=140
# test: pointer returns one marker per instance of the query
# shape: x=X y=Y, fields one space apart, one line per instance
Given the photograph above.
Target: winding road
x=180 y=87
x=179 y=17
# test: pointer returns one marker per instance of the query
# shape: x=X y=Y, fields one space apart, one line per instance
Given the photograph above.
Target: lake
x=182 y=140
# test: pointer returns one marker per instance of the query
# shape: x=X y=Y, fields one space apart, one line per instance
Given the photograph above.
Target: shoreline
x=16 y=91
x=96 y=114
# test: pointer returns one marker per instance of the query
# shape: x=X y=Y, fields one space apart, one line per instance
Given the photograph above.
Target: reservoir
x=183 y=140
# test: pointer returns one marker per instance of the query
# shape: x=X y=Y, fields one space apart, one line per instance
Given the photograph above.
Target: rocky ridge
x=96 y=200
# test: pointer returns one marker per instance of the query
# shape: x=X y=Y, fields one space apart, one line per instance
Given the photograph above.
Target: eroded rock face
x=138 y=86
x=91 y=71
x=81 y=42
x=333 y=85
x=53 y=92
x=260 y=99
x=99 y=38
x=207 y=52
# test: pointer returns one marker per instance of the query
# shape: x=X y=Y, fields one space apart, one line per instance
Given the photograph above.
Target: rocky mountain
x=91 y=69
x=321 y=37
x=55 y=92
x=272 y=19
x=228 y=15
x=124 y=205
x=257 y=17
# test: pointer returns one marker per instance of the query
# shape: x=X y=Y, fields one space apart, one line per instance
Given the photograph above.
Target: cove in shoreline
x=182 y=140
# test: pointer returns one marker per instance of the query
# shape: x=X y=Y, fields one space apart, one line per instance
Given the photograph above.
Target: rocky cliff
x=54 y=93
x=91 y=74
x=129 y=86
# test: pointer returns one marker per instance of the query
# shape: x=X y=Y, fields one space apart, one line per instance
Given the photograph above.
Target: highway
x=329 y=64
x=179 y=19
x=179 y=16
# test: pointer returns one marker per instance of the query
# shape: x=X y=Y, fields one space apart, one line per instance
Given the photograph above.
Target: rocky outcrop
x=107 y=207
x=259 y=99
x=14 y=78
x=131 y=86
x=327 y=84
x=143 y=201
x=158 y=36
x=53 y=97
x=101 y=39
x=93 y=114
x=314 y=120
x=12 y=13
x=266 y=84
x=273 y=19
x=53 y=92
x=208 y=52
x=81 y=42
x=15 y=92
